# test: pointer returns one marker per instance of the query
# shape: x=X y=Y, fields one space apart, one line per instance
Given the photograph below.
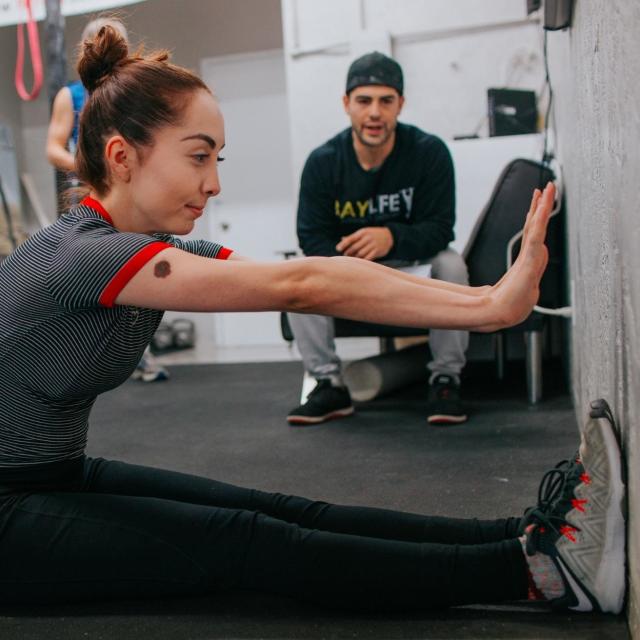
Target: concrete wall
x=595 y=68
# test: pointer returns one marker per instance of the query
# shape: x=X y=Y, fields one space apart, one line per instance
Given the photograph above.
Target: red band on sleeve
x=130 y=268
x=224 y=253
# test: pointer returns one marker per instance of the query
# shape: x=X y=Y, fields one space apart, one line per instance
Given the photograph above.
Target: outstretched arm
x=345 y=287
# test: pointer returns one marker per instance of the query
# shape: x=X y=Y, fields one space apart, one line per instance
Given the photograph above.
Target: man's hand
x=368 y=243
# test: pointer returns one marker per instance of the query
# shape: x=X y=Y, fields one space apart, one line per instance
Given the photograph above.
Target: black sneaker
x=325 y=402
x=579 y=523
x=444 y=403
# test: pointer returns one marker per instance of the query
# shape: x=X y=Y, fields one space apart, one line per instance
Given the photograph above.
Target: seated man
x=379 y=190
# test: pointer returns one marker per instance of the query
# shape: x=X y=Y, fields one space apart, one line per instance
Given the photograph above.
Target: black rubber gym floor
x=228 y=422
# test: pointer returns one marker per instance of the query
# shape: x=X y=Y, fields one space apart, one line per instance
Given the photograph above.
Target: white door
x=255 y=212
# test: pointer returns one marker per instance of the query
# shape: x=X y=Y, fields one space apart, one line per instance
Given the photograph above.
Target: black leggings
x=123 y=531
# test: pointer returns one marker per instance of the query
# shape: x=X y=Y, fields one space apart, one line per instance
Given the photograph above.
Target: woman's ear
x=120 y=157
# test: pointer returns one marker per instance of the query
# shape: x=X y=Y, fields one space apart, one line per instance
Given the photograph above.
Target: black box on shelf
x=512 y=112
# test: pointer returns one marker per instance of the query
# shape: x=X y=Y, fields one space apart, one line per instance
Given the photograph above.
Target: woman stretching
x=80 y=302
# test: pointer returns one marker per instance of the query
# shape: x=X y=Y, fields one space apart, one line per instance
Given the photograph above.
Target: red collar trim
x=96 y=206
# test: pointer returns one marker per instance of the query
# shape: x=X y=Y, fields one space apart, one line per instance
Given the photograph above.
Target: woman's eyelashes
x=201 y=158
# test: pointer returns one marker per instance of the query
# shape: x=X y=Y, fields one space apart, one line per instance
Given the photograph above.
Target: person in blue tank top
x=78 y=98
x=62 y=140
x=62 y=136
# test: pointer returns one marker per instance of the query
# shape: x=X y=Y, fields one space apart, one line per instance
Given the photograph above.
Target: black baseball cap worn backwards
x=375 y=68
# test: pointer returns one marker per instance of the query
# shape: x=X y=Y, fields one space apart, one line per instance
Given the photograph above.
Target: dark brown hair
x=129 y=94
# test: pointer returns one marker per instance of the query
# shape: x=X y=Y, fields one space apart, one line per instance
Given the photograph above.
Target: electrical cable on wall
x=546 y=156
x=564 y=312
x=548 y=160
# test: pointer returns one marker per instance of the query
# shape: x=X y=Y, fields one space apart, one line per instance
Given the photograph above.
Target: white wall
x=450 y=54
x=595 y=68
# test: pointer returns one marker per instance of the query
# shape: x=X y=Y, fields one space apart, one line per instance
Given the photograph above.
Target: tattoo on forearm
x=162 y=269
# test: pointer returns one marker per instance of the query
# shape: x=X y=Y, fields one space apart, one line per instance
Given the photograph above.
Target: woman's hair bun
x=100 y=55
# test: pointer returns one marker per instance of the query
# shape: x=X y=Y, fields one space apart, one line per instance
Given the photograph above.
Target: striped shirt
x=63 y=341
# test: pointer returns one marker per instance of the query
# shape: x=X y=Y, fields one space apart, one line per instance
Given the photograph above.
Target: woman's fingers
x=527 y=221
x=532 y=208
x=538 y=217
x=542 y=213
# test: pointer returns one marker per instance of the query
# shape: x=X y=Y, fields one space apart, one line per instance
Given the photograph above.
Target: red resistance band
x=36 y=58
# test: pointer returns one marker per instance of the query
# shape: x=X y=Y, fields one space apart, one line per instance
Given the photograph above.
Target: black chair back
x=502 y=218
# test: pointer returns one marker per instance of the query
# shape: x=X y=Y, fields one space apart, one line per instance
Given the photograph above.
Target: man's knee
x=448 y=265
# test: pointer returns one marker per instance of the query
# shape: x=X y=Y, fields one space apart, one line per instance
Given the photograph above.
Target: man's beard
x=378 y=143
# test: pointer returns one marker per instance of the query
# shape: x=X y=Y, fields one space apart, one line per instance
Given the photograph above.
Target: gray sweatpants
x=315 y=335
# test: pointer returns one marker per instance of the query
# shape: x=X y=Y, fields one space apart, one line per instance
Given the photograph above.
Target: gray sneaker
x=582 y=528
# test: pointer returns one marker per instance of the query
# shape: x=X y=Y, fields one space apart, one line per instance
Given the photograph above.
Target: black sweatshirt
x=412 y=194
